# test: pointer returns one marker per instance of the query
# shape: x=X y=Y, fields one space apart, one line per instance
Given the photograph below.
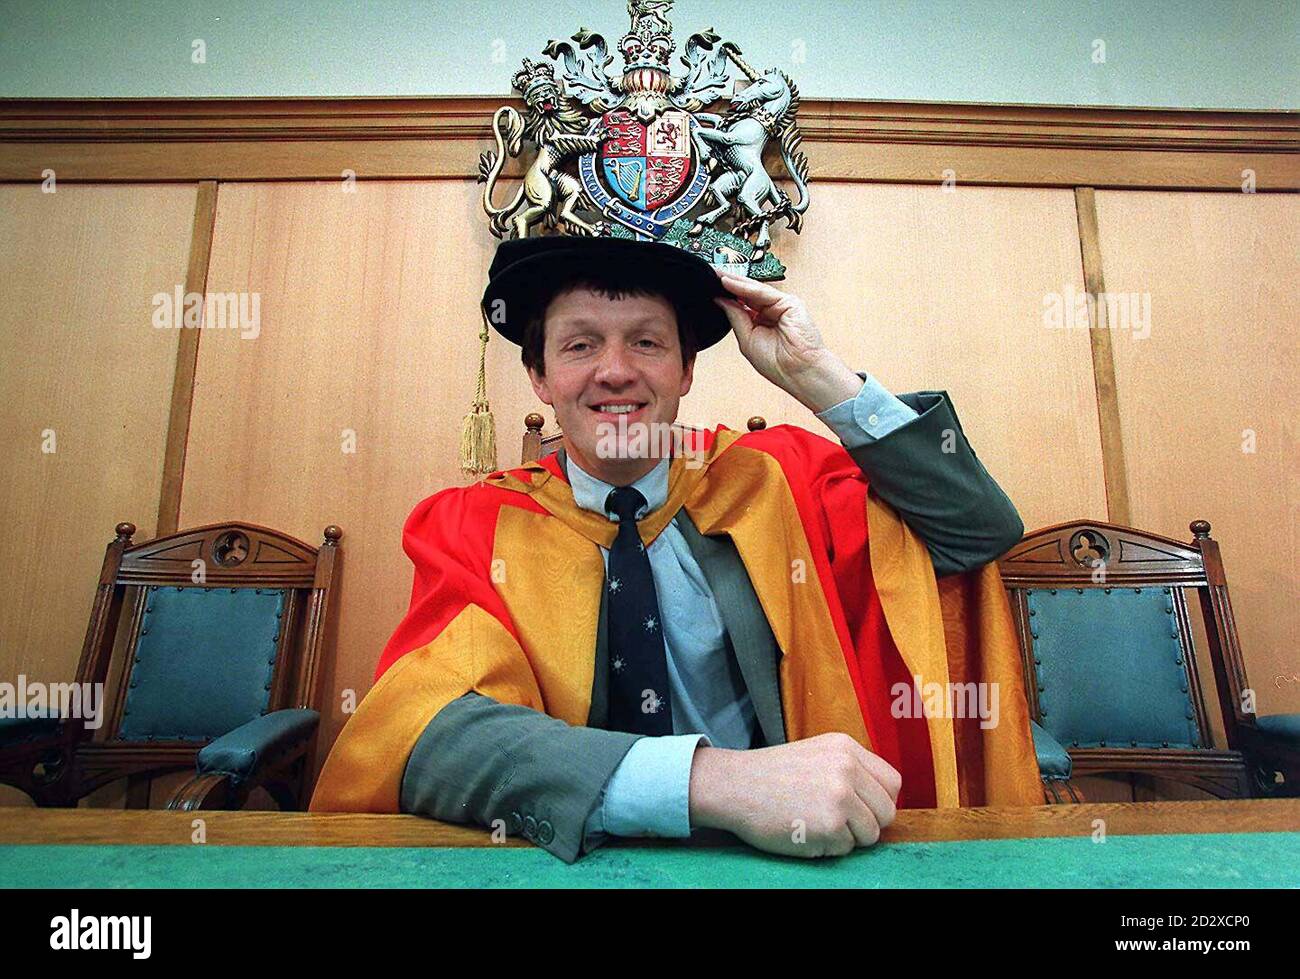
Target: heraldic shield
x=647 y=176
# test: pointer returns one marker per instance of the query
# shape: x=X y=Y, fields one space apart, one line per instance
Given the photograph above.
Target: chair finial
x=125 y=531
x=757 y=423
x=1199 y=528
x=534 y=422
x=332 y=535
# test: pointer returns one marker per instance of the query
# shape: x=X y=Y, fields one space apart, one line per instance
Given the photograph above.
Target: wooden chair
x=536 y=446
x=1110 y=668
x=217 y=672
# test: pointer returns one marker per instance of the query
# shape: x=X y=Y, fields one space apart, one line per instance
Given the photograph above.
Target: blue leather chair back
x=1111 y=668
x=203 y=662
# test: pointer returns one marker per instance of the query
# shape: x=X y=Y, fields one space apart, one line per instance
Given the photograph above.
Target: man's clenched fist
x=818 y=797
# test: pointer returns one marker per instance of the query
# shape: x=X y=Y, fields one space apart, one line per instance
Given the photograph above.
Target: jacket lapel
x=599 y=715
x=750 y=635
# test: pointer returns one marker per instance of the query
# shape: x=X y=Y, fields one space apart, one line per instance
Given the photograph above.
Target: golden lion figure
x=556 y=127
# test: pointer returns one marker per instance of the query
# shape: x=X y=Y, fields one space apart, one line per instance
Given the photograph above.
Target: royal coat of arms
x=634 y=155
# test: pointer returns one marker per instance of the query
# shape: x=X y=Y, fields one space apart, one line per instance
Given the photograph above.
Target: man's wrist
x=869 y=415
x=824 y=384
x=712 y=800
x=649 y=793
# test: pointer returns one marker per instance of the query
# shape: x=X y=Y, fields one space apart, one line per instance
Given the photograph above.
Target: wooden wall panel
x=1217 y=370
x=369 y=315
x=309 y=138
x=932 y=290
x=369 y=308
x=82 y=358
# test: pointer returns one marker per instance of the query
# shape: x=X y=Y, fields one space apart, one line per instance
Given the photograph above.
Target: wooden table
x=28 y=825
x=1249 y=843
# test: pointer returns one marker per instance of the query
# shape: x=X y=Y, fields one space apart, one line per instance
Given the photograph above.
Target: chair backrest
x=1107 y=639
x=202 y=662
x=224 y=623
x=537 y=446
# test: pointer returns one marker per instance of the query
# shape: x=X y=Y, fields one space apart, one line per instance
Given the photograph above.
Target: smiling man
x=724 y=633
x=616 y=365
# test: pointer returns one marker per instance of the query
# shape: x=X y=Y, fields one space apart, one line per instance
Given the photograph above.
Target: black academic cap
x=524 y=267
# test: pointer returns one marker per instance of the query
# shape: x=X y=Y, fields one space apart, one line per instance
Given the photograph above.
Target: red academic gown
x=506 y=601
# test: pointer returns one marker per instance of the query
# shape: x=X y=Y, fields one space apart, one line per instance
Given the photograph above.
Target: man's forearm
x=482 y=761
x=929 y=473
x=917 y=459
x=827 y=382
x=711 y=800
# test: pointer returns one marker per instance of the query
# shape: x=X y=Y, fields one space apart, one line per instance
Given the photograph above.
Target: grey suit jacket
x=502 y=765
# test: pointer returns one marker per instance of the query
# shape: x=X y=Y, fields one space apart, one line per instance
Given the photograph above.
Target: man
x=619 y=643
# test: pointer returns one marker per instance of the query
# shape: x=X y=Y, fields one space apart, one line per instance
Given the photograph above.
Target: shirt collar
x=590 y=493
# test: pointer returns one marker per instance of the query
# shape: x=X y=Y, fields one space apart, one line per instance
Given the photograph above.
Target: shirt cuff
x=649 y=792
x=872 y=414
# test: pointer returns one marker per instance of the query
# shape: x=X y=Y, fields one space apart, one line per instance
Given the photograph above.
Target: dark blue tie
x=639 y=698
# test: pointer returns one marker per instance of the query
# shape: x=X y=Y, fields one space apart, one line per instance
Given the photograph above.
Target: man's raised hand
x=777 y=335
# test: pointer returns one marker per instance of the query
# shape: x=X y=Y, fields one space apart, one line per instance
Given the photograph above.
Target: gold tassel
x=478 y=438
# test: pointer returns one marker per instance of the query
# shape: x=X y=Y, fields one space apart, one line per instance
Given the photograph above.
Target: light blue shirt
x=649 y=792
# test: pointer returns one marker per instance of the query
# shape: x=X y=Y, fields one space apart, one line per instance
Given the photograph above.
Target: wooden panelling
x=369 y=314
x=83 y=361
x=458 y=117
x=369 y=323
x=384 y=138
x=1103 y=361
x=178 y=420
x=884 y=162
x=929 y=290
x=346 y=405
x=1208 y=398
